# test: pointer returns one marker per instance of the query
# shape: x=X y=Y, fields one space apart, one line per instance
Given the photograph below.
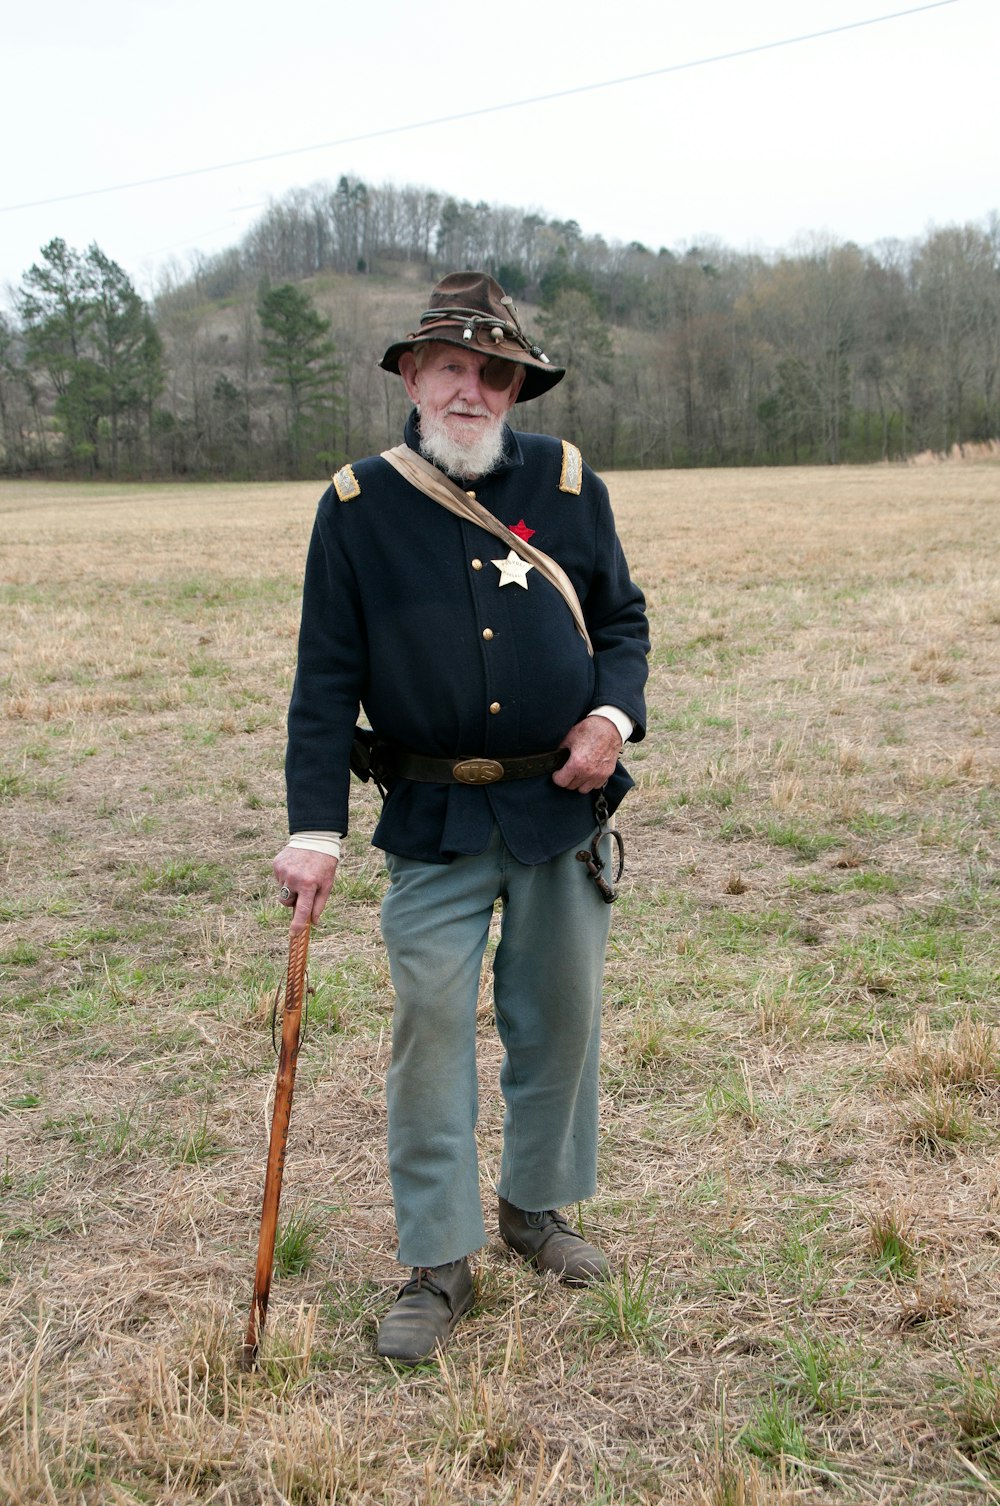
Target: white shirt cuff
x=317 y=841
x=621 y=719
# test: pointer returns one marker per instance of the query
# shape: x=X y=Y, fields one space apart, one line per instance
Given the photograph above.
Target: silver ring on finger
x=284 y=893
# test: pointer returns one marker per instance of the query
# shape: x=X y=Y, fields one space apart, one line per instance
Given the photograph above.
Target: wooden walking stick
x=291 y=1017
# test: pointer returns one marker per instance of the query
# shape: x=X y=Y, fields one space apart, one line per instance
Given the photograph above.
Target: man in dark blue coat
x=469 y=592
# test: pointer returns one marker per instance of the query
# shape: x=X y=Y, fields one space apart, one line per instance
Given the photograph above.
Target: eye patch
x=498 y=374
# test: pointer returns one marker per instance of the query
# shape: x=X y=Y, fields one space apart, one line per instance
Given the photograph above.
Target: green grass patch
x=893 y=1243
x=21 y=954
x=976 y=1407
x=11 y=785
x=625 y=1310
x=197 y=1145
x=775 y=1434
x=824 y=1372
x=296 y=1242
x=183 y=876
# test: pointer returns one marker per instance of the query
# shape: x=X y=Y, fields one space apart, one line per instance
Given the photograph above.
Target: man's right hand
x=309 y=878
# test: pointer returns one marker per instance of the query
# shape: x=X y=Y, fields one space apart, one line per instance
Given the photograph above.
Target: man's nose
x=471 y=385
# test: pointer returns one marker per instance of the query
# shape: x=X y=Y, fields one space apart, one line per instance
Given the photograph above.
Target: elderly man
x=469 y=591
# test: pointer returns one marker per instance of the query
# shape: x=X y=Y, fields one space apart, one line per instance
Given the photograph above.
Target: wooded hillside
x=260 y=361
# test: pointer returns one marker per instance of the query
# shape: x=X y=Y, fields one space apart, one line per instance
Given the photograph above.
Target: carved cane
x=295 y=986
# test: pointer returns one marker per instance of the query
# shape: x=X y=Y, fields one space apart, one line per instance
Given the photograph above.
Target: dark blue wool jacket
x=403 y=613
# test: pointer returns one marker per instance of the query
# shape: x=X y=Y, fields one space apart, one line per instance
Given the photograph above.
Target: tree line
x=260 y=361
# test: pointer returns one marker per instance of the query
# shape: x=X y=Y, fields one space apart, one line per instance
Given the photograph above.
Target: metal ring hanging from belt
x=592 y=855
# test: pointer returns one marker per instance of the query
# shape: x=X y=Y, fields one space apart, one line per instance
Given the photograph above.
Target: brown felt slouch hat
x=469 y=309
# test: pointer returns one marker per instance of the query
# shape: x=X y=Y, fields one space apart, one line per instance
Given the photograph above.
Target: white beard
x=480 y=454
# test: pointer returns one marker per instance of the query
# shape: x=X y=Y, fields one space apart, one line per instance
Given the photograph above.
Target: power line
x=515 y=104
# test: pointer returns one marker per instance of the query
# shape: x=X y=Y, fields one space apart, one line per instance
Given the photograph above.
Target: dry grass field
x=800 y=1183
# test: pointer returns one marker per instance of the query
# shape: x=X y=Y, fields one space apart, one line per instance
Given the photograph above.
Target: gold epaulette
x=571 y=479
x=345 y=484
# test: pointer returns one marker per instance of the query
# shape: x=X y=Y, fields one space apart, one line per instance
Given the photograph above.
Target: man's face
x=462 y=407
x=449 y=390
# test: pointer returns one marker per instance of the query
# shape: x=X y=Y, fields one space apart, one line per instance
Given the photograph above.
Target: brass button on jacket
x=494 y=708
x=477 y=564
x=487 y=633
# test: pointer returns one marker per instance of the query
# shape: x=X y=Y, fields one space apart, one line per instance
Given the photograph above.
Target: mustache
x=469 y=410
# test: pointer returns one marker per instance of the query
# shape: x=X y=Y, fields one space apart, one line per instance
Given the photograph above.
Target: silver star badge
x=513 y=570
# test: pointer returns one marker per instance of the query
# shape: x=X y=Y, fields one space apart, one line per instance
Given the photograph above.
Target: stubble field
x=800 y=1186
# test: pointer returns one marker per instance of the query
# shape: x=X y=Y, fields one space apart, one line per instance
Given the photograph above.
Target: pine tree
x=88 y=333
x=300 y=356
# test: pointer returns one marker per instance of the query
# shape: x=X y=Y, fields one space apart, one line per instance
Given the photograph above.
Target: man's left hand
x=594 y=745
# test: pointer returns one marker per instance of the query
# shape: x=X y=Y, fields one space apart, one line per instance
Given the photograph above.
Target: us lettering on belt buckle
x=478 y=771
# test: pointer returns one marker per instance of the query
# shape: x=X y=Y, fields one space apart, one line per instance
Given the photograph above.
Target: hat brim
x=539 y=376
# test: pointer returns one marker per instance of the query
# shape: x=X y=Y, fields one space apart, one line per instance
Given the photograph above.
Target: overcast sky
x=879 y=131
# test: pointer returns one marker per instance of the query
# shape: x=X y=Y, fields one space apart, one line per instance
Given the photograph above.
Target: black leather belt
x=406 y=765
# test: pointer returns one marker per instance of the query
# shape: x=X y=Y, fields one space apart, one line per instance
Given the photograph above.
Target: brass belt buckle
x=478 y=771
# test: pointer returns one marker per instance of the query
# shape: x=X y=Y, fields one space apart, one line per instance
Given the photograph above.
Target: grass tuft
x=967 y=1057
x=296 y=1242
x=936 y=1122
x=892 y=1243
x=977 y=1409
x=775 y=1434
x=477 y=1421
x=625 y=1309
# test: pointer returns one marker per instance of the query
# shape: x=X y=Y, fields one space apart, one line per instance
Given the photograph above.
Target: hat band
x=474 y=322
x=500 y=329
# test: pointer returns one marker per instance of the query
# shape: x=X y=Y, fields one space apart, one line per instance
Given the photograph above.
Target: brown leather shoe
x=428 y=1306
x=547 y=1240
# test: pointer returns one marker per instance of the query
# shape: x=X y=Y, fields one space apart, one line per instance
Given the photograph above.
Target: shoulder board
x=571 y=479
x=346 y=484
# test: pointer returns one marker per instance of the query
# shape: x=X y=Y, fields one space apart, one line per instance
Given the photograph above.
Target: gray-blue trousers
x=547 y=994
